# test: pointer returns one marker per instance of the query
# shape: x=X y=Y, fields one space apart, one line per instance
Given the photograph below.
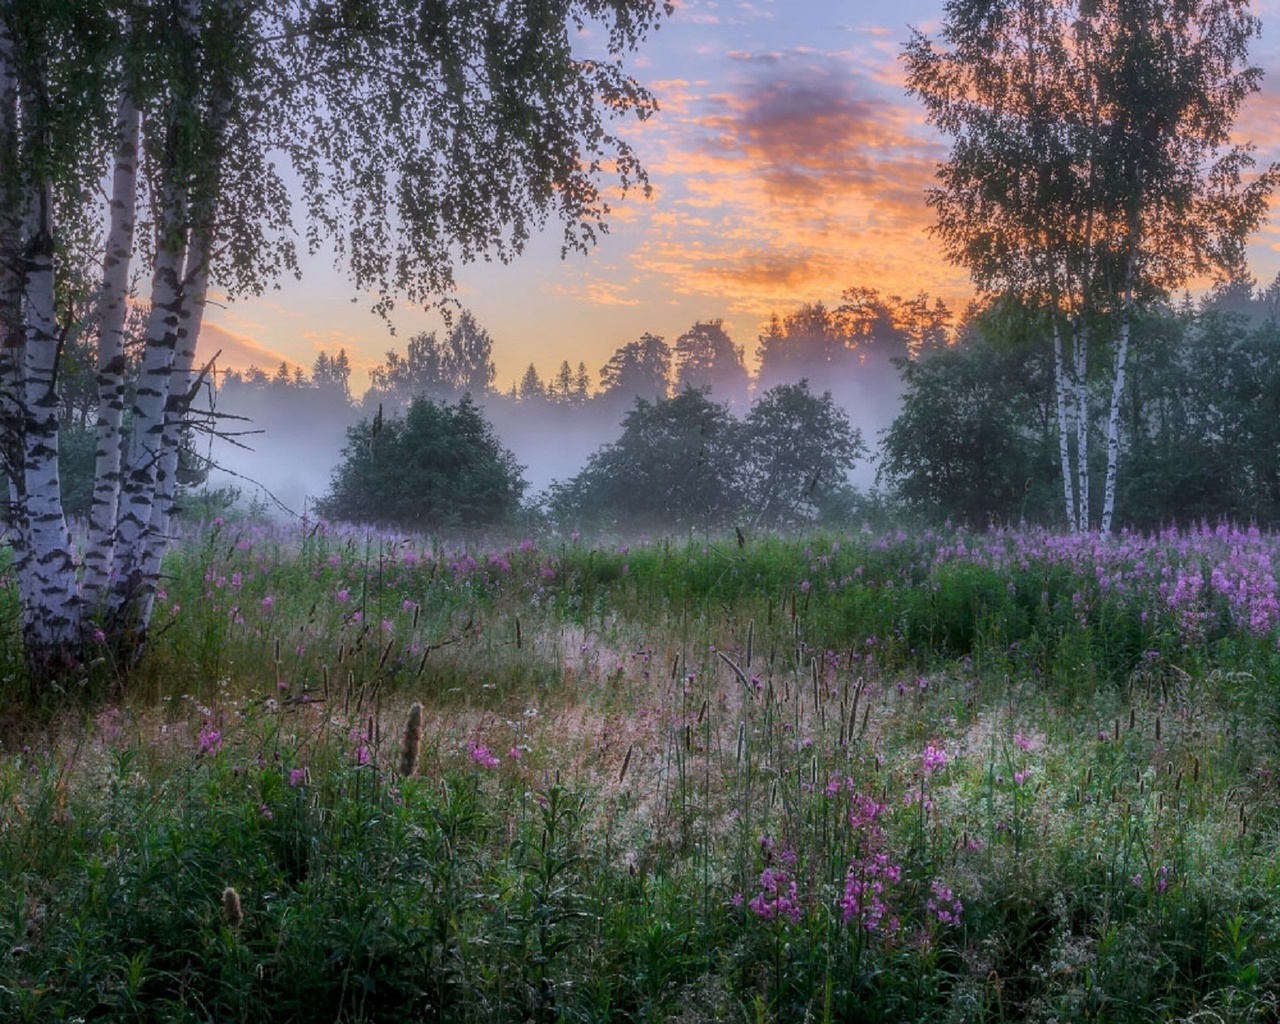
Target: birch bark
x=1064 y=428
x=111 y=357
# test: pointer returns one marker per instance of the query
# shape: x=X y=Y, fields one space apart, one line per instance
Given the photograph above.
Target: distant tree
x=676 y=465
x=1093 y=170
x=639 y=369
x=433 y=367
x=560 y=387
x=466 y=364
x=706 y=357
x=530 y=387
x=581 y=384
x=333 y=374
x=973 y=441
x=886 y=327
x=809 y=342
x=799 y=448
x=437 y=466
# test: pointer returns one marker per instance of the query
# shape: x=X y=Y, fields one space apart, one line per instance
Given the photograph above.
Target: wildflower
x=268 y=602
x=297 y=777
x=482 y=755
x=777 y=897
x=1020 y=777
x=943 y=905
x=99 y=637
x=265 y=812
x=342 y=596
x=210 y=740
x=361 y=754
x=935 y=759
x=1021 y=742
x=232 y=911
x=412 y=740
x=866 y=893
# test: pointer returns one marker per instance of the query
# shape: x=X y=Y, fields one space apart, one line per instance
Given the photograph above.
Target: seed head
x=412 y=741
x=232 y=912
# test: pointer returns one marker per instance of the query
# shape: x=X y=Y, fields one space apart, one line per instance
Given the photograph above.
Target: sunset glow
x=787 y=165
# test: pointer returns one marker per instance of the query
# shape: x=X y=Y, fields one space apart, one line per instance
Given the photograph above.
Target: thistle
x=412 y=741
x=232 y=912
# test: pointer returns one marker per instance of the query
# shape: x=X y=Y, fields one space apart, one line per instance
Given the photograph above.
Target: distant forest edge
x=953 y=416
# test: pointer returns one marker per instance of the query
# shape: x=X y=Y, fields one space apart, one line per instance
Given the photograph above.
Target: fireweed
x=998 y=777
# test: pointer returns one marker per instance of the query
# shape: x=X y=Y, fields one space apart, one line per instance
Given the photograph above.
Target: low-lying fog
x=298 y=435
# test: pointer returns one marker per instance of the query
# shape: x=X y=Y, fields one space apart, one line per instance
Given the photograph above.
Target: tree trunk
x=1080 y=386
x=111 y=358
x=1117 y=395
x=1064 y=429
x=146 y=434
x=181 y=384
x=51 y=616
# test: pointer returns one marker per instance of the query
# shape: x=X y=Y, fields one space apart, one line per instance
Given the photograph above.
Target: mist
x=287 y=440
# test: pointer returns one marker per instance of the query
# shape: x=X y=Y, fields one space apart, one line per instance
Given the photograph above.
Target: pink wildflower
x=482 y=755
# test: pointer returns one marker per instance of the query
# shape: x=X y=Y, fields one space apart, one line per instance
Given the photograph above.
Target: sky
x=787 y=163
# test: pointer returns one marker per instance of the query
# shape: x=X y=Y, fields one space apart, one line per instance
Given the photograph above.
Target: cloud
x=800 y=179
x=235 y=350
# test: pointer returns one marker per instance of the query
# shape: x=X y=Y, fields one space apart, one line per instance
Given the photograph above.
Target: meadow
x=858 y=777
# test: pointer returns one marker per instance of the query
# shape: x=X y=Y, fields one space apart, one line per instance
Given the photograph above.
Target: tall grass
x=849 y=778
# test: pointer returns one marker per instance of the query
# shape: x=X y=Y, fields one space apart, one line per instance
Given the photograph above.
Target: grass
x=855 y=778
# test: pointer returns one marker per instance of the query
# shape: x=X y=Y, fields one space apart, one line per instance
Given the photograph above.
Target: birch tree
x=416 y=133
x=1092 y=170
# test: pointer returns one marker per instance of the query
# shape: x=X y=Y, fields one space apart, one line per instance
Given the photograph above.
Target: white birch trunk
x=1117 y=397
x=146 y=434
x=111 y=357
x=181 y=381
x=51 y=609
x=12 y=335
x=1080 y=386
x=1064 y=429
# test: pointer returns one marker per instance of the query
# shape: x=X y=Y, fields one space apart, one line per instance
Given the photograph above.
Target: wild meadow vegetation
x=859 y=777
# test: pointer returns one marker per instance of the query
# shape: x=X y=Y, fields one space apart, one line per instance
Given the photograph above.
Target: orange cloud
x=235 y=351
x=800 y=180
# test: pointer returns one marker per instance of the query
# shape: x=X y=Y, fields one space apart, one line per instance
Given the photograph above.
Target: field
x=936 y=776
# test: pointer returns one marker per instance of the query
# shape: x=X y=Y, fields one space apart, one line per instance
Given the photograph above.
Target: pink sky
x=788 y=164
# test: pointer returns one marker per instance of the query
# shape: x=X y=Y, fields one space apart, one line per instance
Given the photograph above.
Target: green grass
x=675 y=782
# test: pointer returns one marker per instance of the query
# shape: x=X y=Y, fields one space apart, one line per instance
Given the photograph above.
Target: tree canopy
x=417 y=134
x=437 y=466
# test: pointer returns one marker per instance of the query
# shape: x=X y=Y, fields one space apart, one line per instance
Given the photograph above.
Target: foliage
x=902 y=777
x=686 y=462
x=436 y=466
x=640 y=369
x=421 y=136
x=1094 y=169
x=675 y=466
x=706 y=357
x=972 y=441
x=797 y=448
x=461 y=364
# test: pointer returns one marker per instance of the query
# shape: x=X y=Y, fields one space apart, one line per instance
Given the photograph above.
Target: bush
x=437 y=466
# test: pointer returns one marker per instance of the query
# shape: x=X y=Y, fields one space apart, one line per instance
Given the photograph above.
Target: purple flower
x=297 y=777
x=482 y=755
x=943 y=905
x=777 y=897
x=935 y=759
x=210 y=740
